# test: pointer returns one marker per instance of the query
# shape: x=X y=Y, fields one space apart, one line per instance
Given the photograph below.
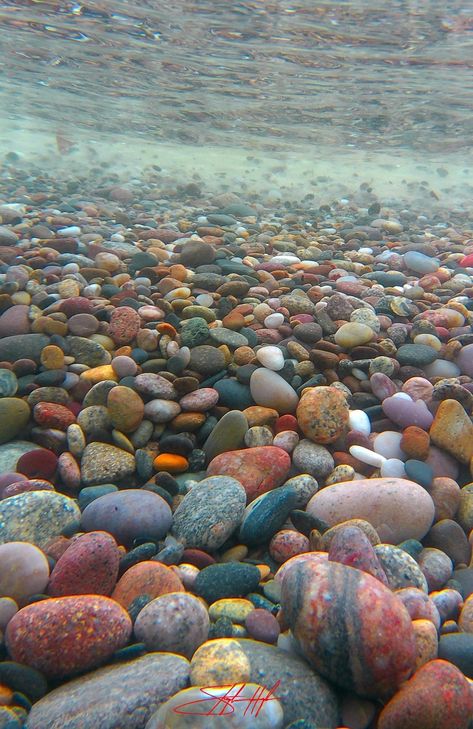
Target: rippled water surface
x=372 y=74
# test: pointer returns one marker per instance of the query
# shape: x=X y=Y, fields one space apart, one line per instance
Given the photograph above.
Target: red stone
x=259 y=469
x=286 y=422
x=351 y=628
x=76 y=305
x=124 y=325
x=197 y=557
x=466 y=262
x=146 y=578
x=438 y=696
x=352 y=547
x=88 y=566
x=67 y=635
x=262 y=625
x=53 y=415
x=39 y=463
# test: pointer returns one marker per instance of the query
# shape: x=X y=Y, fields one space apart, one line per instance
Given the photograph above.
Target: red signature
x=214 y=704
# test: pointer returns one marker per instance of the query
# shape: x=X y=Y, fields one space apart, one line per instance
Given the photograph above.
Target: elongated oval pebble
x=271 y=357
x=366 y=456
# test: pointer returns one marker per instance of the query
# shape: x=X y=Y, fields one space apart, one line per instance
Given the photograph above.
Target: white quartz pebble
x=71 y=230
x=442 y=368
x=388 y=444
x=273 y=321
x=393 y=468
x=271 y=357
x=401 y=396
x=366 y=456
x=359 y=421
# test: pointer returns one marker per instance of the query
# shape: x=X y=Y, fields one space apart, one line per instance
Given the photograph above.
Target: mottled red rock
x=53 y=415
x=88 y=566
x=124 y=325
x=287 y=543
x=15 y=321
x=259 y=469
x=67 y=635
x=146 y=578
x=438 y=696
x=76 y=305
x=351 y=628
x=262 y=625
x=322 y=414
x=415 y=442
x=351 y=546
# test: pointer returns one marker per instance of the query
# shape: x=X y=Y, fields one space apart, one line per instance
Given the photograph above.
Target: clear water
x=268 y=91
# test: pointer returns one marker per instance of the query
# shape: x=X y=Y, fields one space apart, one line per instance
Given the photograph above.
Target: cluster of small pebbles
x=236 y=449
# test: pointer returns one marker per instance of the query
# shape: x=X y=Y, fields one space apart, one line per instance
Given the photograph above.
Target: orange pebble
x=178 y=271
x=171 y=463
x=165 y=328
x=124 y=351
x=6 y=695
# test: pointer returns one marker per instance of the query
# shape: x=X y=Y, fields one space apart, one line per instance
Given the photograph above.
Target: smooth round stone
x=67 y=635
x=267 y=514
x=312 y=458
x=200 y=400
x=40 y=463
x=358 y=420
x=83 y=325
x=273 y=321
x=233 y=394
x=464 y=360
x=207 y=360
x=174 y=623
x=436 y=566
x=14 y=416
x=209 y=513
x=236 y=609
x=233 y=579
x=416 y=355
x=154 y=386
x=421 y=263
x=258 y=435
x=263 y=625
x=382 y=386
x=228 y=434
x=366 y=456
x=172 y=714
x=392 y=468
x=125 y=408
x=24 y=571
x=331 y=604
x=258 y=469
x=146 y=579
x=161 y=411
x=37 y=517
x=88 y=566
x=425 y=701
x=457 y=648
x=104 y=463
x=388 y=444
x=128 y=515
x=270 y=357
x=270 y=390
x=400 y=568
x=323 y=414
x=124 y=366
x=305 y=486
x=286 y=544
x=405 y=412
x=9 y=607
x=286 y=439
x=353 y=334
x=98 y=700
x=398 y=509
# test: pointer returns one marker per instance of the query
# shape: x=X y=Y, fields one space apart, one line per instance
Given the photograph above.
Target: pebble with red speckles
x=124 y=325
x=88 y=566
x=286 y=544
x=67 y=635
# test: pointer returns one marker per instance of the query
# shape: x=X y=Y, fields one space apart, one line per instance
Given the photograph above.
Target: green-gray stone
x=222 y=335
x=86 y=351
x=231 y=579
x=416 y=355
x=228 y=435
x=194 y=332
x=22 y=346
x=14 y=416
x=8 y=383
x=266 y=515
x=233 y=394
x=90 y=493
x=37 y=517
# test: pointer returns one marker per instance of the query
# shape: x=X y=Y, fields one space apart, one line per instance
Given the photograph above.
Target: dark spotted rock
x=232 y=579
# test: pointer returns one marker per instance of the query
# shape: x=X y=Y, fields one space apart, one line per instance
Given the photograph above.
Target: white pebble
x=366 y=456
x=204 y=300
x=442 y=368
x=285 y=260
x=271 y=357
x=117 y=238
x=71 y=230
x=359 y=421
x=359 y=374
x=365 y=250
x=273 y=321
x=402 y=396
x=388 y=444
x=393 y=468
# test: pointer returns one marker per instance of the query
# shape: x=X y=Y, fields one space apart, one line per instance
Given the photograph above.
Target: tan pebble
x=219 y=662
x=339 y=474
x=106 y=342
x=236 y=609
x=68 y=288
x=52 y=357
x=259 y=415
x=235 y=554
x=99 y=374
x=426 y=639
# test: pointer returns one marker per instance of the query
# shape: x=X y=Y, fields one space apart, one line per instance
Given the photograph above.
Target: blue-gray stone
x=266 y=515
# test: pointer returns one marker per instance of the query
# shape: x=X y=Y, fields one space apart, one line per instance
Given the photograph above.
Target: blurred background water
x=385 y=85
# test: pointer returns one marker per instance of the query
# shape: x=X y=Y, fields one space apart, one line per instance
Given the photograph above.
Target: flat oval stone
x=200 y=400
x=105 y=463
x=24 y=571
x=323 y=414
x=271 y=357
x=174 y=623
x=344 y=619
x=128 y=514
x=14 y=416
x=37 y=517
x=267 y=514
x=400 y=568
x=125 y=408
x=98 y=700
x=66 y=635
x=270 y=390
x=146 y=579
x=209 y=513
x=416 y=355
x=353 y=334
x=398 y=509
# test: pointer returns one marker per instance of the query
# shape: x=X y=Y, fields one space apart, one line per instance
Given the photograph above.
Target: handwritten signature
x=221 y=700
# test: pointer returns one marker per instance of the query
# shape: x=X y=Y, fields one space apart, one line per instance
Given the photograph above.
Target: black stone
x=231 y=579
